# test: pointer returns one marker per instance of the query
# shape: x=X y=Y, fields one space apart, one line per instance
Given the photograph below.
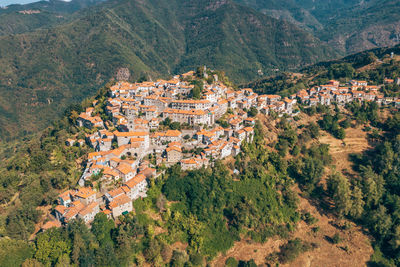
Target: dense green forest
x=49 y=14
x=350 y=26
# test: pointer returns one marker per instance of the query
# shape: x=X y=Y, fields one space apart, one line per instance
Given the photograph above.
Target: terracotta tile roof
x=135 y=180
x=116 y=192
x=88 y=209
x=118 y=201
x=61 y=209
x=65 y=195
x=51 y=224
x=124 y=168
x=186 y=112
x=175 y=148
x=130 y=134
x=107 y=212
x=248 y=129
x=174 y=144
x=85 y=192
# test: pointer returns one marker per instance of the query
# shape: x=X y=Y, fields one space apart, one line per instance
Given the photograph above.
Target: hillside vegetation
x=373 y=65
x=349 y=26
x=46 y=69
x=16 y=19
x=194 y=217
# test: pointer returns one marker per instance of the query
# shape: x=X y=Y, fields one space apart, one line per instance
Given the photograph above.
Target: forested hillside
x=349 y=26
x=16 y=19
x=193 y=216
x=372 y=178
x=49 y=68
x=374 y=65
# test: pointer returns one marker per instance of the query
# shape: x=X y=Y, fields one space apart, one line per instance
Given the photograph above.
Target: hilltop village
x=152 y=125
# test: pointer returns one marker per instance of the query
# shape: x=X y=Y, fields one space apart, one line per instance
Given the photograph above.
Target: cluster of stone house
x=334 y=92
x=121 y=144
x=138 y=109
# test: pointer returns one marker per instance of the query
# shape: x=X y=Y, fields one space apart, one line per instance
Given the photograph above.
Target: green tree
x=373 y=186
x=339 y=191
x=358 y=203
x=51 y=246
x=311 y=173
x=380 y=222
x=102 y=227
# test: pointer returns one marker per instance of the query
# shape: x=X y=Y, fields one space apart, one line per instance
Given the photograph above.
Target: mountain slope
x=45 y=70
x=16 y=19
x=349 y=26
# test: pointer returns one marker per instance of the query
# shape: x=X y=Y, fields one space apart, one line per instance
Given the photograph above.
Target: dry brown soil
x=326 y=253
x=355 y=142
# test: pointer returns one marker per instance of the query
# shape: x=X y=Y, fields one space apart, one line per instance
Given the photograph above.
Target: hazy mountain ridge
x=348 y=26
x=16 y=19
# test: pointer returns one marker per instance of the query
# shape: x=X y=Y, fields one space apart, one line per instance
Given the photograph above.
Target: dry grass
x=358 y=245
x=355 y=142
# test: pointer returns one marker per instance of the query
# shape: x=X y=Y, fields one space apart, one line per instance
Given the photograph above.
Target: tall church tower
x=131 y=120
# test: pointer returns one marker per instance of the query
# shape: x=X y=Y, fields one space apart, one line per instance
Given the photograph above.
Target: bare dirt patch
x=179 y=246
x=355 y=142
x=354 y=241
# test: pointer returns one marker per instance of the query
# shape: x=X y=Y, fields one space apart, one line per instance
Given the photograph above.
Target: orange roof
x=187 y=112
x=209 y=134
x=72 y=212
x=135 y=180
x=51 y=224
x=110 y=172
x=202 y=101
x=240 y=131
x=118 y=201
x=107 y=212
x=273 y=96
x=61 y=209
x=116 y=159
x=248 y=129
x=124 y=168
x=129 y=134
x=189 y=161
x=88 y=209
x=116 y=192
x=174 y=133
x=85 y=192
x=176 y=148
x=125 y=189
x=118 y=151
x=174 y=144
x=234 y=139
x=96 y=154
x=65 y=195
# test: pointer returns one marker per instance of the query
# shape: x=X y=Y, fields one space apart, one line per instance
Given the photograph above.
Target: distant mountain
x=16 y=19
x=347 y=25
x=46 y=69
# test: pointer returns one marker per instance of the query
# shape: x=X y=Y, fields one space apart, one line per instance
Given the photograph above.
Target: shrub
x=336 y=239
x=292 y=250
x=231 y=262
